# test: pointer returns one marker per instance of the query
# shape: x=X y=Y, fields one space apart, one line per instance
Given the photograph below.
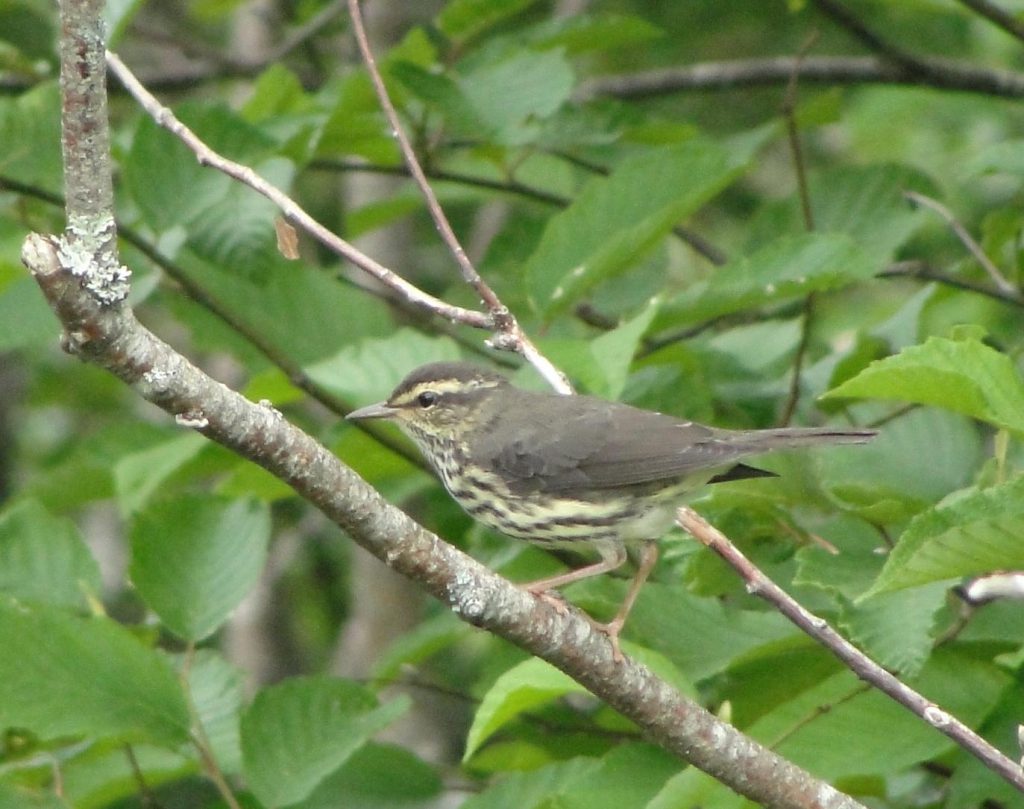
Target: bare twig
x=965 y=238
x=921 y=270
x=860 y=664
x=946 y=74
x=508 y=336
x=796 y=150
x=852 y=23
x=698 y=243
x=291 y=209
x=999 y=16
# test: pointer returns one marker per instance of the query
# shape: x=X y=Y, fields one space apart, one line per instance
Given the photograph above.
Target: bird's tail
x=793 y=437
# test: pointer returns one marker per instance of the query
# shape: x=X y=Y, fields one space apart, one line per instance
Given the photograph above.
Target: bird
x=572 y=471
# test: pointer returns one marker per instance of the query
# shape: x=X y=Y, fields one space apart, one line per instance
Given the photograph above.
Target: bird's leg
x=648 y=558
x=542 y=587
x=612 y=558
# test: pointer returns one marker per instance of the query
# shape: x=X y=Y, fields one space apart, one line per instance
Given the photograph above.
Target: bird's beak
x=380 y=410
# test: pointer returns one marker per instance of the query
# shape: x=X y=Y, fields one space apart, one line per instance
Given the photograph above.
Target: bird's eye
x=427 y=399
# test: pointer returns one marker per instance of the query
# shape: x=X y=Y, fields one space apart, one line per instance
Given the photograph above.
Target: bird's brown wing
x=594 y=444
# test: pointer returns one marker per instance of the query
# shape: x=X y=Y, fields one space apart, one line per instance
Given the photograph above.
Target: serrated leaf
x=965 y=376
x=194 y=558
x=789 y=267
x=969 y=533
x=44 y=559
x=100 y=681
x=237 y=231
x=217 y=689
x=914 y=462
x=525 y=686
x=163 y=176
x=296 y=734
x=881 y=736
x=616 y=219
x=863 y=202
x=138 y=475
x=895 y=629
x=370 y=370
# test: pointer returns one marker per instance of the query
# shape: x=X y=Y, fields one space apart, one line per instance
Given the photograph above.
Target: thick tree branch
x=109 y=336
x=859 y=663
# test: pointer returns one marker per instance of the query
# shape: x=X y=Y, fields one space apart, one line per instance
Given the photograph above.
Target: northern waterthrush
x=572 y=471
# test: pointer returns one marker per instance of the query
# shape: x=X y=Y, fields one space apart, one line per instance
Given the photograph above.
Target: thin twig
x=852 y=23
x=1000 y=17
x=698 y=243
x=292 y=210
x=946 y=74
x=860 y=664
x=922 y=271
x=509 y=336
x=804 y=193
x=1000 y=280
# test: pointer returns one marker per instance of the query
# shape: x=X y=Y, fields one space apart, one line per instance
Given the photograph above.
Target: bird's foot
x=612 y=630
x=551 y=597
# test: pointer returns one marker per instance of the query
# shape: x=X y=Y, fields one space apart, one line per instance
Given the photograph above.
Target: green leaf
x=217 y=689
x=698 y=635
x=100 y=681
x=163 y=176
x=15 y=797
x=584 y=33
x=370 y=370
x=970 y=532
x=296 y=734
x=626 y=777
x=368 y=781
x=194 y=558
x=236 y=232
x=531 y=683
x=463 y=19
x=895 y=629
x=864 y=202
x=601 y=364
x=43 y=559
x=787 y=268
x=965 y=376
x=139 y=475
x=25 y=319
x=614 y=350
x=285 y=296
x=617 y=219
x=30 y=134
x=511 y=96
x=883 y=737
x=914 y=462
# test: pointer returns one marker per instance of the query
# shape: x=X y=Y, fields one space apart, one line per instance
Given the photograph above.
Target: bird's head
x=439 y=401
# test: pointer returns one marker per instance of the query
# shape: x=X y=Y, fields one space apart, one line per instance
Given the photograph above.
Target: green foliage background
x=127 y=542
